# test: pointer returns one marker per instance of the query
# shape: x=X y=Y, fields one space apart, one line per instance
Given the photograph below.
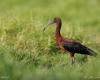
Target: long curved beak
x=49 y=23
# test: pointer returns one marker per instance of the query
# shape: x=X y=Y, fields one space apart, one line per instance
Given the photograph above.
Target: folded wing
x=75 y=47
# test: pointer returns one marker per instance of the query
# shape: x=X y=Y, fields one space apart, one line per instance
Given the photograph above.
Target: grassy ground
x=26 y=53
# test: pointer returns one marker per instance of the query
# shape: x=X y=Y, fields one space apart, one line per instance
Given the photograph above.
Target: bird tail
x=91 y=52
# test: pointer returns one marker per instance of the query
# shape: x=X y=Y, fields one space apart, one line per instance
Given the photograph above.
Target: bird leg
x=73 y=60
x=72 y=57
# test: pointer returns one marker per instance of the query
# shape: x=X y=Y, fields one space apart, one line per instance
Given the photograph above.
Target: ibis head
x=52 y=21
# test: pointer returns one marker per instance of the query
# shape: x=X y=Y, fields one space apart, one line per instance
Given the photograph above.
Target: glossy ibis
x=69 y=45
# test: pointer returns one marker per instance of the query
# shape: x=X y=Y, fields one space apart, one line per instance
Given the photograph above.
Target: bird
x=69 y=45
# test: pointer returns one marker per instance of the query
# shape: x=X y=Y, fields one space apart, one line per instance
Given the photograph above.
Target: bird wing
x=75 y=47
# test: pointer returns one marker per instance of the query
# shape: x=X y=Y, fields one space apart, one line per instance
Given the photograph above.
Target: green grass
x=28 y=53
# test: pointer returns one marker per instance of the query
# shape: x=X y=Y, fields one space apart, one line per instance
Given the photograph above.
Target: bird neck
x=58 y=28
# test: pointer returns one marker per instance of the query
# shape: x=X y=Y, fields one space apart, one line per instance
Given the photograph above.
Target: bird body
x=70 y=45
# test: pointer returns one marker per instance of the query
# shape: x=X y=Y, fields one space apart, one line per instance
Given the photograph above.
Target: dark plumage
x=75 y=47
x=69 y=45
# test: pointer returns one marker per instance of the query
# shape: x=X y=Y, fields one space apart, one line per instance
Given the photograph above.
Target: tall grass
x=28 y=53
